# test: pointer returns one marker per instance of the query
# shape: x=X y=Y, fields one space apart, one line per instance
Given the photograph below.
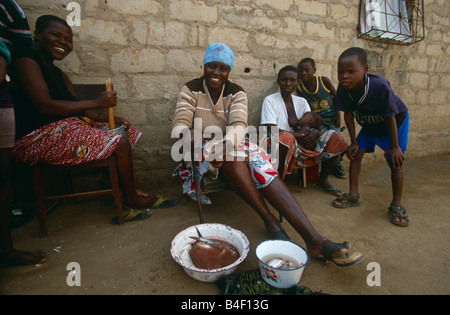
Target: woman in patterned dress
x=53 y=126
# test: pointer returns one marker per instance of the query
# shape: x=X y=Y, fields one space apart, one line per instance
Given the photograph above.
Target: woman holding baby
x=301 y=140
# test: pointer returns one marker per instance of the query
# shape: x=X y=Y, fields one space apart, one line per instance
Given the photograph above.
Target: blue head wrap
x=219 y=52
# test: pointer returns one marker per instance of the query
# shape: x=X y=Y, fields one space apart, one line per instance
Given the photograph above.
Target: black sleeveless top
x=28 y=118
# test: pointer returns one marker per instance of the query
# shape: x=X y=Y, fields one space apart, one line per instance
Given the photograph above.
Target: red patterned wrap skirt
x=71 y=141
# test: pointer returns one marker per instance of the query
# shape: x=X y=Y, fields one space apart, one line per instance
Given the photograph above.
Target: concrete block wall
x=151 y=48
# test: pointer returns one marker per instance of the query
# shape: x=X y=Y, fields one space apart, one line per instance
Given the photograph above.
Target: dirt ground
x=135 y=258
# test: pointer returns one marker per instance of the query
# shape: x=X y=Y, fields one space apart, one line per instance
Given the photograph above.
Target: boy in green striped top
x=320 y=93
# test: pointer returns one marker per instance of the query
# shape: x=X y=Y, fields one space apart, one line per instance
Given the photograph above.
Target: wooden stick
x=110 y=109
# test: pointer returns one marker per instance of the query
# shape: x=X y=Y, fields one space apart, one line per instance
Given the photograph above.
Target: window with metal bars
x=392 y=21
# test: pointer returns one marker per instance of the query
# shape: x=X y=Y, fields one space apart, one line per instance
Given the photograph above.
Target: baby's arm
x=307 y=136
x=303 y=129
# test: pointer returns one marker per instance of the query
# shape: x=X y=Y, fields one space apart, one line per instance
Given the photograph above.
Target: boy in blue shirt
x=384 y=120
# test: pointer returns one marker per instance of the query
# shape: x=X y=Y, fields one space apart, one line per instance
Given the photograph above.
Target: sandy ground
x=135 y=258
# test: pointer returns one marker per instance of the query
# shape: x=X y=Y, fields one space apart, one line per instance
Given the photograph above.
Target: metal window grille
x=393 y=21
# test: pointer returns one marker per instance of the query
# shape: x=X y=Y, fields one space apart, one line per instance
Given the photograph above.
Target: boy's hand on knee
x=397 y=156
x=352 y=151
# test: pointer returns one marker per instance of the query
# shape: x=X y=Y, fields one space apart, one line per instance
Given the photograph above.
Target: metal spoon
x=201 y=238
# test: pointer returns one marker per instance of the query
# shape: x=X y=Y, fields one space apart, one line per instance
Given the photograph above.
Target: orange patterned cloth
x=329 y=144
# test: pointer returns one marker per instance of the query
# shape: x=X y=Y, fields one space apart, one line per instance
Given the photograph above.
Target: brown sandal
x=341 y=261
x=398 y=212
x=346 y=201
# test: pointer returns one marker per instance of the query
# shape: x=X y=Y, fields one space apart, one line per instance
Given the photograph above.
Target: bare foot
x=17 y=257
x=141 y=193
x=141 y=202
x=328 y=187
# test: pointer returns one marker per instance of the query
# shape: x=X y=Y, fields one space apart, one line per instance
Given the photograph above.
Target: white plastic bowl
x=181 y=243
x=277 y=277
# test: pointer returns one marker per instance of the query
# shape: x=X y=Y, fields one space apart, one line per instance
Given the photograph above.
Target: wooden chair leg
x=39 y=189
x=116 y=190
x=304 y=177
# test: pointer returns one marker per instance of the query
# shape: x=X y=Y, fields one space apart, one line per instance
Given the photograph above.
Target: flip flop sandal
x=332 y=190
x=163 y=202
x=341 y=261
x=398 y=212
x=279 y=235
x=131 y=214
x=346 y=201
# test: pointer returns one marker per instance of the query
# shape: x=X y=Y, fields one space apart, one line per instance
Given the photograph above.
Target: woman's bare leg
x=282 y=200
x=133 y=197
x=238 y=175
x=325 y=171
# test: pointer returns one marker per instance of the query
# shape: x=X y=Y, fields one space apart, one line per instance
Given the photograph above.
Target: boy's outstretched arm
x=350 y=122
x=394 y=151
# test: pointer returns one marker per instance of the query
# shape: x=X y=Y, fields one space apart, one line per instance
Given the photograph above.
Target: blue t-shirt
x=378 y=102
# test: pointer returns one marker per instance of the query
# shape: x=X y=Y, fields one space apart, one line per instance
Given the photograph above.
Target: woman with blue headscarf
x=215 y=109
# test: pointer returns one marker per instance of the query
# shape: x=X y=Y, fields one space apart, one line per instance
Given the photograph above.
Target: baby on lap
x=307 y=123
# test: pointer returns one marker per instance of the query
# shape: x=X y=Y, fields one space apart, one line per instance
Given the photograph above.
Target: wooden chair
x=84 y=91
x=39 y=185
